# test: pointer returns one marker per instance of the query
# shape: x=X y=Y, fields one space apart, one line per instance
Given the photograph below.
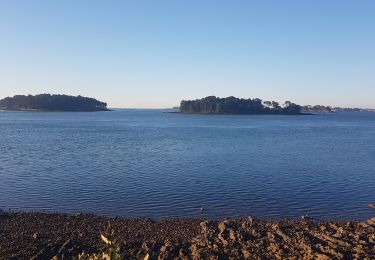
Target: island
x=48 y=102
x=233 y=105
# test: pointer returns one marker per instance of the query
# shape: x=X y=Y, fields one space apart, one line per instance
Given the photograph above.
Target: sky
x=153 y=54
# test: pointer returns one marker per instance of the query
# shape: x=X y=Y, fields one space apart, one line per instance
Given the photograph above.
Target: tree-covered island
x=47 y=102
x=233 y=105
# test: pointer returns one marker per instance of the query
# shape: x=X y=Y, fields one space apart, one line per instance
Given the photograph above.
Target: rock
x=371 y=221
x=232 y=235
x=165 y=251
x=368 y=223
x=305 y=217
x=246 y=254
x=349 y=224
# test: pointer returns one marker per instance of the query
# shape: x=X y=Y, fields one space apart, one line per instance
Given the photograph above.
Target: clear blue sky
x=154 y=53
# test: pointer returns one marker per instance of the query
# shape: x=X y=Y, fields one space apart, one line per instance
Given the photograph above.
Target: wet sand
x=43 y=236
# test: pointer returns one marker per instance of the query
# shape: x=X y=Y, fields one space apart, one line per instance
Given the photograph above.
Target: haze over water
x=146 y=163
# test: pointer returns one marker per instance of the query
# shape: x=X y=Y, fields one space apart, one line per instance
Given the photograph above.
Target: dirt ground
x=63 y=236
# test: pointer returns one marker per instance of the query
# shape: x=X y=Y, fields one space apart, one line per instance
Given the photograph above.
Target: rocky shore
x=63 y=236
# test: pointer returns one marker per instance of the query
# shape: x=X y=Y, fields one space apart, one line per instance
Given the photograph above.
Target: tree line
x=233 y=105
x=52 y=103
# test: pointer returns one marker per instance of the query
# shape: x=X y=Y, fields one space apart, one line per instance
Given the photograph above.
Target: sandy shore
x=43 y=236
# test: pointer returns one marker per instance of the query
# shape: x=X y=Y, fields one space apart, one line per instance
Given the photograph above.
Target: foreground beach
x=43 y=236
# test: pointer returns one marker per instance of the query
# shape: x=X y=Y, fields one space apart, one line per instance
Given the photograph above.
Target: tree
x=287 y=103
x=267 y=103
x=275 y=105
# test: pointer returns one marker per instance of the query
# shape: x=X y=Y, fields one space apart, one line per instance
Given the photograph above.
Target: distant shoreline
x=238 y=114
x=47 y=110
x=52 y=103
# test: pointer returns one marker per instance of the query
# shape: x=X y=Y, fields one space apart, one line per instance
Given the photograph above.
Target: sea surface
x=148 y=163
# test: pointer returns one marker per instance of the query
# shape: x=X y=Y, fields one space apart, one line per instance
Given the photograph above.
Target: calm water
x=153 y=164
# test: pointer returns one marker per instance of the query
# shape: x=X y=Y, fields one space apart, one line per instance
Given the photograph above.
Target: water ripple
x=152 y=164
